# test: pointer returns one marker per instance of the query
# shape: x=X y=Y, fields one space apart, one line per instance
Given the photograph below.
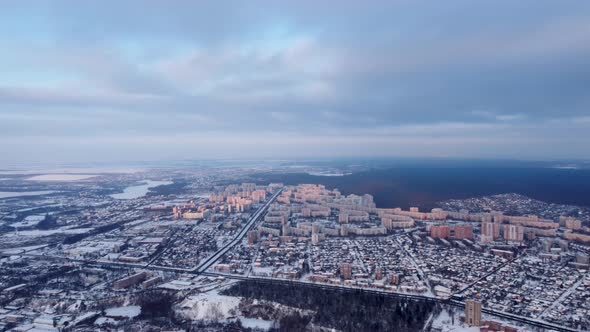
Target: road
x=203 y=266
x=393 y=295
x=207 y=263
x=301 y=283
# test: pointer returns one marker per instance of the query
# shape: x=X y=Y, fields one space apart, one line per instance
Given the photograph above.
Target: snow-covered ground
x=10 y=194
x=104 y=320
x=139 y=190
x=126 y=312
x=36 y=233
x=32 y=170
x=255 y=323
x=29 y=221
x=447 y=322
x=210 y=306
x=20 y=250
x=61 y=177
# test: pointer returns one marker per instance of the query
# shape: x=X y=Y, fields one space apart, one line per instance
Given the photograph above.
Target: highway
x=202 y=268
x=207 y=263
x=301 y=283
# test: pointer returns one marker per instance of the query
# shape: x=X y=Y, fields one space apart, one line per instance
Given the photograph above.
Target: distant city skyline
x=115 y=81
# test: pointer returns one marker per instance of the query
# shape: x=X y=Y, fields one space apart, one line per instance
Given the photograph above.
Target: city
x=80 y=254
x=294 y=165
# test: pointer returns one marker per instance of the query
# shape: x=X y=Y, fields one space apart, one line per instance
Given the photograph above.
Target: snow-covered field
x=37 y=232
x=210 y=306
x=104 y=320
x=61 y=177
x=19 y=250
x=10 y=194
x=29 y=221
x=127 y=311
x=254 y=323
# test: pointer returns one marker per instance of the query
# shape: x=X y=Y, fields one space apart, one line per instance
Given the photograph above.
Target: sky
x=114 y=81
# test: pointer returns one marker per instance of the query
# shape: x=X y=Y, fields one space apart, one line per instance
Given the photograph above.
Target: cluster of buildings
x=523 y=265
x=474 y=318
x=281 y=257
x=574 y=309
x=532 y=286
x=301 y=207
x=225 y=201
x=192 y=244
x=451 y=266
x=535 y=266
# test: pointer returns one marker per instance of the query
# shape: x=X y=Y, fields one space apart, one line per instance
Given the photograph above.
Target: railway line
x=202 y=268
x=393 y=295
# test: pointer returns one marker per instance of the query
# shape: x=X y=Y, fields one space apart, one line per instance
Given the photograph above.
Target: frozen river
x=139 y=190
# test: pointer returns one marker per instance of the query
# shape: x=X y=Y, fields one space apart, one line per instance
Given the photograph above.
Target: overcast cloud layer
x=150 y=80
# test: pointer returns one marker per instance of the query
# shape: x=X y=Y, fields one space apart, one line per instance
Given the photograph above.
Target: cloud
x=498 y=117
x=370 y=76
x=73 y=97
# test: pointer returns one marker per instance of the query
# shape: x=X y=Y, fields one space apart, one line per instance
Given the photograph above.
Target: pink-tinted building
x=463 y=232
x=346 y=271
x=513 y=233
x=490 y=231
x=440 y=232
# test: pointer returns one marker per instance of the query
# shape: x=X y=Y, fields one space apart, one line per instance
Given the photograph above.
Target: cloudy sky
x=151 y=80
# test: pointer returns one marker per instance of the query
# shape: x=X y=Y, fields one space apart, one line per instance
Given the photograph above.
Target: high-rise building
x=253 y=237
x=177 y=212
x=343 y=230
x=258 y=195
x=490 y=231
x=315 y=229
x=315 y=239
x=378 y=273
x=440 y=232
x=463 y=232
x=473 y=313
x=343 y=218
x=514 y=233
x=286 y=230
x=394 y=279
x=346 y=271
x=497 y=216
x=573 y=223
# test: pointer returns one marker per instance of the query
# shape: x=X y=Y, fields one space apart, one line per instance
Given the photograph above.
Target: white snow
x=443 y=321
x=10 y=194
x=210 y=306
x=20 y=250
x=127 y=311
x=104 y=320
x=254 y=323
x=29 y=221
x=61 y=177
x=36 y=233
x=139 y=190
